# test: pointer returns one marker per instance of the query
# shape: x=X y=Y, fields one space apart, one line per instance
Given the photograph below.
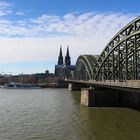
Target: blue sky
x=31 y=31
x=64 y=6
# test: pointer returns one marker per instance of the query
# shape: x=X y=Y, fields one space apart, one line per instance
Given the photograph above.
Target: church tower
x=67 y=58
x=64 y=69
x=60 y=57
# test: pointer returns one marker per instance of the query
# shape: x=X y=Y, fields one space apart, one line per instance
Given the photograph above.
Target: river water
x=56 y=114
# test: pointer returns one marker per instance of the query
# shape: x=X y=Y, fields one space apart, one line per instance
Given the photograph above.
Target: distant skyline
x=31 y=32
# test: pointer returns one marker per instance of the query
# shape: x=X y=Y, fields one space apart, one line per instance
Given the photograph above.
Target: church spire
x=60 y=58
x=67 y=57
x=68 y=52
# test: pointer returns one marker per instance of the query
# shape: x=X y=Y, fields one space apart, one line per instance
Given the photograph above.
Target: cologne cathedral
x=64 y=69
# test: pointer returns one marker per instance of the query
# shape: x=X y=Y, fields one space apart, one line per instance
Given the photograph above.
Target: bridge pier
x=99 y=97
x=104 y=97
x=86 y=94
x=130 y=99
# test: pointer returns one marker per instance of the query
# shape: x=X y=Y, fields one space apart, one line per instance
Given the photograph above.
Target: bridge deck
x=129 y=84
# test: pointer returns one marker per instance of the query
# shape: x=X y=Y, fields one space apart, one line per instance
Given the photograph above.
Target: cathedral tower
x=60 y=58
x=67 y=58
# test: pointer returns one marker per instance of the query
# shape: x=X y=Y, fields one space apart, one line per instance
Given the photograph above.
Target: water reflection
x=105 y=123
x=56 y=114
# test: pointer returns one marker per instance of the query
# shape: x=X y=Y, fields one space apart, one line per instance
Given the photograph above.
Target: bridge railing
x=133 y=84
x=117 y=83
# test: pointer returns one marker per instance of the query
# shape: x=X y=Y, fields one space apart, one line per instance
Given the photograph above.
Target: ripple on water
x=55 y=114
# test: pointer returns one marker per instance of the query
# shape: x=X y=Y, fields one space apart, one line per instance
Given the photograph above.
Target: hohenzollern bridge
x=117 y=67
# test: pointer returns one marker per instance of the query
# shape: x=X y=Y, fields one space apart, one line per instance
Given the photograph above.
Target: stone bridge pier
x=104 y=97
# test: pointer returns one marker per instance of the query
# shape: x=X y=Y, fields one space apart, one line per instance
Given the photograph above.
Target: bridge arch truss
x=120 y=60
x=86 y=67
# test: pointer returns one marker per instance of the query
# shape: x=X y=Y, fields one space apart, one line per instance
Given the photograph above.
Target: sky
x=32 y=31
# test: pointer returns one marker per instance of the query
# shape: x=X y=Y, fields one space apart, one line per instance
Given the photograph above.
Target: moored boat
x=13 y=85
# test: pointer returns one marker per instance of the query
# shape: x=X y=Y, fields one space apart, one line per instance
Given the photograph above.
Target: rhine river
x=56 y=114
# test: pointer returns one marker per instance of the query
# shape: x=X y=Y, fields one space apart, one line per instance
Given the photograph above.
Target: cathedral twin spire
x=60 y=57
x=67 y=57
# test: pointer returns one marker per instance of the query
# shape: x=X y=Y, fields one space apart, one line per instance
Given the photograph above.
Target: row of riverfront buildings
x=62 y=70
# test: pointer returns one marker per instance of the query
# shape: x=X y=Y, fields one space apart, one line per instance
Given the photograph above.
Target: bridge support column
x=86 y=94
x=74 y=87
x=104 y=97
x=130 y=99
x=100 y=97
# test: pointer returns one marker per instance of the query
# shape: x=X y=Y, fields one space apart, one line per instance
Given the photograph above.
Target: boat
x=13 y=85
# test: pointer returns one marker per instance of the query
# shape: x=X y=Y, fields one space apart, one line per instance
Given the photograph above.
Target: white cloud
x=5 y=8
x=20 y=13
x=70 y=24
x=4 y=4
x=38 y=39
x=5 y=12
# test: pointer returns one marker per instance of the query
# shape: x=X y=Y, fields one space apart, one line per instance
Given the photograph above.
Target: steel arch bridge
x=120 y=59
x=86 y=67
